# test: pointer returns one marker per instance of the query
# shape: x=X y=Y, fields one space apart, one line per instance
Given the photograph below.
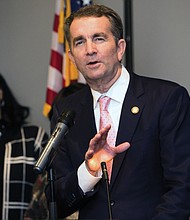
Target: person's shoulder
x=35 y=133
x=158 y=87
x=149 y=82
x=31 y=129
x=28 y=126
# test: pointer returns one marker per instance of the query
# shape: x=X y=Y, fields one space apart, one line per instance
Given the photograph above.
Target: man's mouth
x=92 y=62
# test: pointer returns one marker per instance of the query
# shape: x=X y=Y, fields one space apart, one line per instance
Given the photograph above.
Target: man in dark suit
x=150 y=176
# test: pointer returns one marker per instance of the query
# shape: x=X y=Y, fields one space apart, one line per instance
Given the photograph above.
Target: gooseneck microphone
x=65 y=121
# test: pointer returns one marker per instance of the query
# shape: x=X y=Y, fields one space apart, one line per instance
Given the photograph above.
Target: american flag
x=62 y=71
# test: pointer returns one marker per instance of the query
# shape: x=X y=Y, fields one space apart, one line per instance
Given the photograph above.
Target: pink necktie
x=105 y=119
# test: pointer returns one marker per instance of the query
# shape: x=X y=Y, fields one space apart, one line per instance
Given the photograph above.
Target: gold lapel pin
x=135 y=110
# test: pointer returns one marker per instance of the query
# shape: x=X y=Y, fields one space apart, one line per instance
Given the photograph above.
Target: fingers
x=121 y=148
x=96 y=143
x=95 y=140
x=100 y=138
x=89 y=154
x=104 y=131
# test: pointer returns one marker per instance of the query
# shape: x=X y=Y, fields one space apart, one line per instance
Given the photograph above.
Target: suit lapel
x=131 y=112
x=86 y=121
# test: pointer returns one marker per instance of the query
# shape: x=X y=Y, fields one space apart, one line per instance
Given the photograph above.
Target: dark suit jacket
x=151 y=180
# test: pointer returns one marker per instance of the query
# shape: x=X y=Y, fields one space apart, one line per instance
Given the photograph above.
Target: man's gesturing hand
x=99 y=150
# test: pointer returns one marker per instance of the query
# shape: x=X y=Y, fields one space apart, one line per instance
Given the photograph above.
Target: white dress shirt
x=117 y=94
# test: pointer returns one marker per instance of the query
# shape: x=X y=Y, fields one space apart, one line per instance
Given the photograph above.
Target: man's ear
x=71 y=56
x=121 y=48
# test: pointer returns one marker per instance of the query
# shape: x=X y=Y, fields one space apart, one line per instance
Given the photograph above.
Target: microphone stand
x=52 y=203
x=65 y=121
x=106 y=178
x=51 y=179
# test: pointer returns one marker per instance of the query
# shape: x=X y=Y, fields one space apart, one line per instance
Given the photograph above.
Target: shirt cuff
x=86 y=180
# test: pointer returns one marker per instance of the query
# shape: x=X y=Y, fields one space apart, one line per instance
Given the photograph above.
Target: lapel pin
x=135 y=110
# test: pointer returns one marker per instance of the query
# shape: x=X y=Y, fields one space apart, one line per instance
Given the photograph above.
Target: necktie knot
x=104 y=103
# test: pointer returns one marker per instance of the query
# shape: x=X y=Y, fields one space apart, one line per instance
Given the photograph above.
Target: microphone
x=104 y=171
x=65 y=121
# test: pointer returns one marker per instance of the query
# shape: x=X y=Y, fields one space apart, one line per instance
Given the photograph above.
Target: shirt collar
x=117 y=91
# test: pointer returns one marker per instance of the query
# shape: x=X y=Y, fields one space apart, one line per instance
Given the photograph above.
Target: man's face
x=93 y=48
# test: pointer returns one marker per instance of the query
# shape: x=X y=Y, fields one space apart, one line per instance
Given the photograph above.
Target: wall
x=161 y=44
x=161 y=32
x=25 y=39
x=117 y=5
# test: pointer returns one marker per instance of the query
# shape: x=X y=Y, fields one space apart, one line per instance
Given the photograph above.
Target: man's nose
x=91 y=48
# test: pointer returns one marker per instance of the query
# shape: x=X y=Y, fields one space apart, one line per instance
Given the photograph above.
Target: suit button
x=112 y=203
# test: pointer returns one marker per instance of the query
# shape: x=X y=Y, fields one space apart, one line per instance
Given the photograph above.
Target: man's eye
x=77 y=43
x=99 y=39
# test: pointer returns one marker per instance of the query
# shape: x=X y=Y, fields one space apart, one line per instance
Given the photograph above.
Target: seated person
x=20 y=146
